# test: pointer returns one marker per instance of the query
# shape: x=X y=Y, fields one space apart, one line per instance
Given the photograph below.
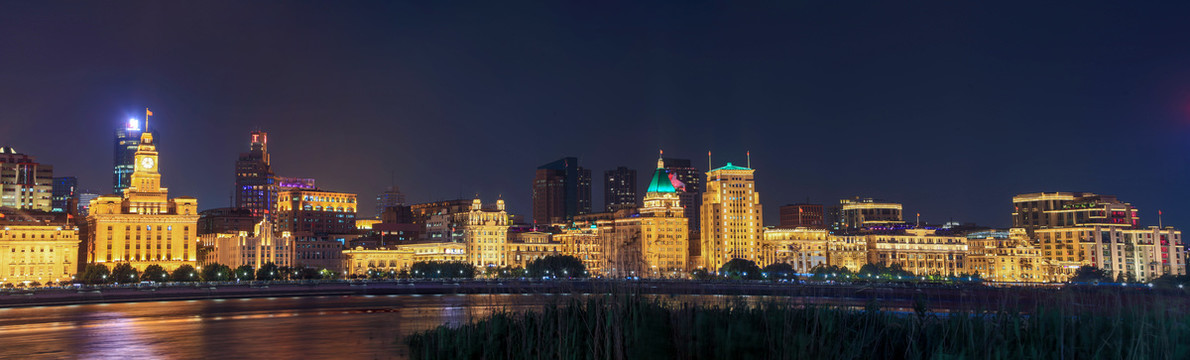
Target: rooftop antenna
x=709 y=160
x=1159 y=223
x=749 y=159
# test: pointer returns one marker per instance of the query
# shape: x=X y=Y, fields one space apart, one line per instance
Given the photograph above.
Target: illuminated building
x=254 y=249
x=421 y=213
x=485 y=232
x=359 y=261
x=619 y=189
x=802 y=215
x=731 y=217
x=37 y=247
x=125 y=146
x=289 y=183
x=848 y=251
x=651 y=242
x=525 y=247
x=1005 y=256
x=919 y=251
x=318 y=212
x=1066 y=209
x=437 y=251
x=802 y=248
x=865 y=212
x=585 y=244
x=561 y=190
x=365 y=224
x=389 y=198
x=24 y=183
x=65 y=194
x=1142 y=254
x=255 y=187
x=689 y=185
x=143 y=227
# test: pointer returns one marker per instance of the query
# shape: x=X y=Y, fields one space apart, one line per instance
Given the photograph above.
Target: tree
x=95 y=274
x=443 y=269
x=245 y=273
x=779 y=271
x=831 y=272
x=740 y=269
x=1090 y=274
x=268 y=271
x=184 y=273
x=216 y=272
x=124 y=273
x=701 y=274
x=306 y=273
x=559 y=266
x=883 y=272
x=154 y=273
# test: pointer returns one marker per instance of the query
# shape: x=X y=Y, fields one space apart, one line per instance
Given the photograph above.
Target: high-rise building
x=36 y=246
x=689 y=186
x=143 y=227
x=561 y=190
x=255 y=186
x=24 y=183
x=802 y=215
x=65 y=194
x=1066 y=209
x=865 y=212
x=619 y=189
x=84 y=203
x=731 y=217
x=124 y=155
x=389 y=198
x=317 y=212
x=664 y=226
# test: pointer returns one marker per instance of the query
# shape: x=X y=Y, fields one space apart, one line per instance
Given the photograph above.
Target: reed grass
x=1066 y=325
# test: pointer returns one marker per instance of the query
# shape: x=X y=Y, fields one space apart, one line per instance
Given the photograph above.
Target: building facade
x=1124 y=253
x=485 y=233
x=583 y=243
x=25 y=183
x=561 y=190
x=256 y=248
x=318 y=212
x=41 y=250
x=861 y=213
x=689 y=185
x=802 y=248
x=143 y=227
x=1071 y=209
x=65 y=195
x=921 y=252
x=256 y=189
x=226 y=220
x=125 y=146
x=525 y=247
x=802 y=215
x=391 y=197
x=731 y=217
x=619 y=189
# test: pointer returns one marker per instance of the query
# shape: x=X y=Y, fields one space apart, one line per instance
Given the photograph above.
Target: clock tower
x=145 y=183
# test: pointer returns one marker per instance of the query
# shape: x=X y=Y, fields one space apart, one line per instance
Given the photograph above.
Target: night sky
x=948 y=108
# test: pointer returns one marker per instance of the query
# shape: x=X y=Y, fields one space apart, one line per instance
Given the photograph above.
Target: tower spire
x=660 y=159
x=749 y=159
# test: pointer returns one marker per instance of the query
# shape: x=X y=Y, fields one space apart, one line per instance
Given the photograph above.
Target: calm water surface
x=357 y=327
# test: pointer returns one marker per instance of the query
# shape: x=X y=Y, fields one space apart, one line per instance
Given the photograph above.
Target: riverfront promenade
x=960 y=297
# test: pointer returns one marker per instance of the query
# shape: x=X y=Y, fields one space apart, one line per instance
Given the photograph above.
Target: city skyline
x=948 y=148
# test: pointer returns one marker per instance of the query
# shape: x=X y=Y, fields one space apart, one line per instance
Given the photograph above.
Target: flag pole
x=147 y=114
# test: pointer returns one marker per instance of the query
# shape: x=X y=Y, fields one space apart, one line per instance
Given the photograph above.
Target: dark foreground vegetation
x=1086 y=324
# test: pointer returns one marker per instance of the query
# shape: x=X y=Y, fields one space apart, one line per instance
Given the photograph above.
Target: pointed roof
x=660 y=182
x=729 y=166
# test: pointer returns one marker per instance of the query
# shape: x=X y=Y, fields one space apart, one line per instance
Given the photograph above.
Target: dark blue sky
x=948 y=108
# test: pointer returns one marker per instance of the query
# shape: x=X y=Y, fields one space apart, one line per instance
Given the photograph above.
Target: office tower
x=867 y=212
x=731 y=217
x=389 y=198
x=255 y=187
x=1062 y=209
x=64 y=194
x=124 y=155
x=561 y=190
x=84 y=203
x=690 y=186
x=318 y=212
x=24 y=183
x=802 y=215
x=143 y=226
x=619 y=189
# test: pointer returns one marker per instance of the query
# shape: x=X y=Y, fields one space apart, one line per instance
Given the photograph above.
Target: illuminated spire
x=660 y=161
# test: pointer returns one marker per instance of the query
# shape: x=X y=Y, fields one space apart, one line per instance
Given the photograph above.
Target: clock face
x=146 y=163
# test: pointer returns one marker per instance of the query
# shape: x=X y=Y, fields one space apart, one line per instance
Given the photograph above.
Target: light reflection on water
x=325 y=327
